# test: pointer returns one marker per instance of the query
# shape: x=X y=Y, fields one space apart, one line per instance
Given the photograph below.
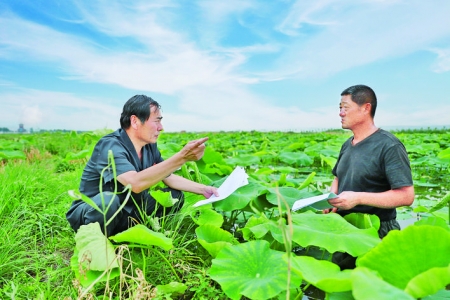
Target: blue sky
x=223 y=65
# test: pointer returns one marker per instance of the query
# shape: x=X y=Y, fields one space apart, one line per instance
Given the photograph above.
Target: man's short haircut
x=138 y=105
x=362 y=94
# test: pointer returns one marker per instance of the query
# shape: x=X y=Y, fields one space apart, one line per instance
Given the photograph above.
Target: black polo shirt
x=377 y=164
x=125 y=160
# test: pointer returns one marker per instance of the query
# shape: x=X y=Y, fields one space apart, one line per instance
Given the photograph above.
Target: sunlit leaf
x=140 y=234
x=333 y=233
x=173 y=289
x=208 y=216
x=404 y=255
x=164 y=198
x=367 y=285
x=214 y=239
x=93 y=255
x=323 y=274
x=252 y=270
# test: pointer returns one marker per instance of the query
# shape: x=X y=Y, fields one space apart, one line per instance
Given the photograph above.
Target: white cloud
x=443 y=60
x=164 y=69
x=360 y=33
x=53 y=110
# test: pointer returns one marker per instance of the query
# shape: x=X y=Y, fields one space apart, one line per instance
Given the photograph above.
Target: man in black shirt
x=138 y=162
x=372 y=173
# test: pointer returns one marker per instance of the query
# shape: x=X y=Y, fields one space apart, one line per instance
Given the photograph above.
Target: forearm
x=146 y=178
x=183 y=184
x=390 y=199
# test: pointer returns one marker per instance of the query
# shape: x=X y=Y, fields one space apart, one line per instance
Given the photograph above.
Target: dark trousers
x=81 y=213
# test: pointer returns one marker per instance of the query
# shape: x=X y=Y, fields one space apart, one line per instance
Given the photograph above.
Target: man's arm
x=183 y=184
x=403 y=196
x=144 y=179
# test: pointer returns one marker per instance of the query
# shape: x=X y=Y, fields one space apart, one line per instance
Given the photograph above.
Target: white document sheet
x=235 y=180
x=318 y=202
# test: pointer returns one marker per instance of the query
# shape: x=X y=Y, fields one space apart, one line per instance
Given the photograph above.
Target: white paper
x=235 y=180
x=318 y=202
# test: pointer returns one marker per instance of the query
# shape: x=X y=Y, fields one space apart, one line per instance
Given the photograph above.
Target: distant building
x=21 y=129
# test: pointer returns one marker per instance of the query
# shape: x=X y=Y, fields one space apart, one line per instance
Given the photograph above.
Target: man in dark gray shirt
x=138 y=163
x=372 y=173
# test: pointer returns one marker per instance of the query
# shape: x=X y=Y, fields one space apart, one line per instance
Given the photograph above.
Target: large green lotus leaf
x=86 y=276
x=214 y=239
x=95 y=252
x=367 y=285
x=140 y=234
x=405 y=254
x=295 y=158
x=12 y=154
x=429 y=282
x=204 y=216
x=252 y=270
x=332 y=232
x=323 y=274
x=240 y=198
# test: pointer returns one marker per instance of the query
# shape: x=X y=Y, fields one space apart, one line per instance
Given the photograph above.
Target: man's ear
x=367 y=107
x=133 y=121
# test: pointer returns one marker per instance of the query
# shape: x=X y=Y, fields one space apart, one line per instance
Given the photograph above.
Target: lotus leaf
x=407 y=256
x=142 y=235
x=367 y=285
x=207 y=216
x=214 y=239
x=323 y=274
x=333 y=233
x=252 y=270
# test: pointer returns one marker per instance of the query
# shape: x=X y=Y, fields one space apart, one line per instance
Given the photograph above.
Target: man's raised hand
x=194 y=150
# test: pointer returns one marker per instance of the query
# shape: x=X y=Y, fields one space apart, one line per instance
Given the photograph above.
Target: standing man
x=138 y=162
x=372 y=173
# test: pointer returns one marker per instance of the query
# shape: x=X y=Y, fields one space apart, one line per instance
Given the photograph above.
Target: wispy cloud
x=443 y=60
x=212 y=57
x=49 y=110
x=358 y=33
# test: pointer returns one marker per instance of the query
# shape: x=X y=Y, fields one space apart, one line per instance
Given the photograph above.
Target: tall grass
x=36 y=240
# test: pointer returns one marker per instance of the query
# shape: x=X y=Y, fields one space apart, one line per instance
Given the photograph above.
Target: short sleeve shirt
x=377 y=164
x=125 y=159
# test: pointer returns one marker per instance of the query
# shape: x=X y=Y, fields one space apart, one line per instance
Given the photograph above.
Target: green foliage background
x=37 y=171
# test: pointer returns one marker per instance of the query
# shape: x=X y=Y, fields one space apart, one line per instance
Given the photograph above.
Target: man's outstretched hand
x=194 y=150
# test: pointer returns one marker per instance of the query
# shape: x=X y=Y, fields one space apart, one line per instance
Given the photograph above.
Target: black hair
x=138 y=105
x=362 y=94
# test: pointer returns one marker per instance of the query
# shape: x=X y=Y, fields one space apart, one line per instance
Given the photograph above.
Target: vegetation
x=248 y=246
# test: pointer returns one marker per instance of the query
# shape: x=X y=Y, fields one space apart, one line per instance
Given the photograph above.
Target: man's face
x=351 y=113
x=150 y=130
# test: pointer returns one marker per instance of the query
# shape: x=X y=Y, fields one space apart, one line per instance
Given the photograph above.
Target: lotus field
x=250 y=245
